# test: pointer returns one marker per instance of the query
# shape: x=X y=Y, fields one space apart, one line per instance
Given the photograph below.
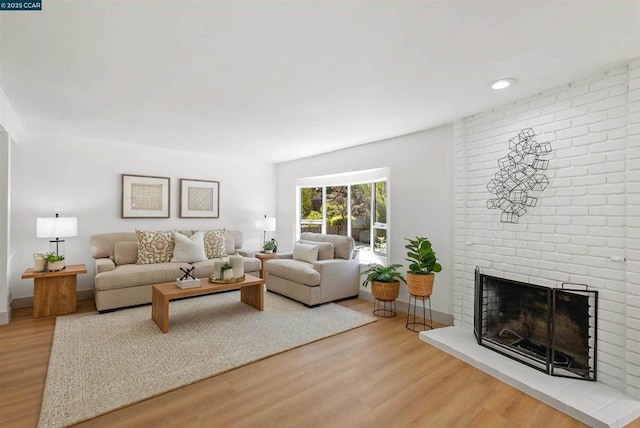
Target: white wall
x=586 y=223
x=5 y=167
x=9 y=129
x=82 y=179
x=420 y=189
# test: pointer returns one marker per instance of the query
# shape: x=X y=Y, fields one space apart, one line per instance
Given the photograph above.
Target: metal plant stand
x=384 y=308
x=414 y=325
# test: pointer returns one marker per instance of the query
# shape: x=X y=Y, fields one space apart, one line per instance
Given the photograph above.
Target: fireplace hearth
x=553 y=330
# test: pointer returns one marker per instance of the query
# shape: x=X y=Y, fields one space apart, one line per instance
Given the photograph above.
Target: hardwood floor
x=379 y=375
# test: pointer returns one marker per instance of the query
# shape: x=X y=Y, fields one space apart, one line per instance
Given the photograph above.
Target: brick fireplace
x=585 y=227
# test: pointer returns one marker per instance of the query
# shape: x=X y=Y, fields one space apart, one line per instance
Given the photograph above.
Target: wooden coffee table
x=251 y=293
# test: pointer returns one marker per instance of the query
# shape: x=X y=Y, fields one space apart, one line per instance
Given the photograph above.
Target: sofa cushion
x=325 y=249
x=125 y=253
x=214 y=243
x=293 y=270
x=343 y=245
x=229 y=242
x=126 y=276
x=154 y=247
x=305 y=252
x=189 y=249
x=102 y=244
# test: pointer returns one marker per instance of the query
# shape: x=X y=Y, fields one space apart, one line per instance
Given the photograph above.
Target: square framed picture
x=199 y=198
x=145 y=196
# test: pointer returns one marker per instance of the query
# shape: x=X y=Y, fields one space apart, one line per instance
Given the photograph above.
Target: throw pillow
x=214 y=243
x=125 y=253
x=154 y=247
x=325 y=249
x=305 y=252
x=188 y=249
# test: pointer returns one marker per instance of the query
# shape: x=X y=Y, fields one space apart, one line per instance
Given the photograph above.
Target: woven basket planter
x=420 y=285
x=385 y=290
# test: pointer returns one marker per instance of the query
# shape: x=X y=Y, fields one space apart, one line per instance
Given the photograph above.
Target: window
x=352 y=204
x=311 y=209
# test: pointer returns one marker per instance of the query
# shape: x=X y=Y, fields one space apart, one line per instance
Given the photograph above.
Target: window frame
x=350 y=179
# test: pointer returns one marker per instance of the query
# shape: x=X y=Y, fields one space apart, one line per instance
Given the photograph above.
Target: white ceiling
x=289 y=79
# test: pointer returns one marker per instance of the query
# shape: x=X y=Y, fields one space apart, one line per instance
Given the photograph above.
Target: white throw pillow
x=189 y=249
x=304 y=252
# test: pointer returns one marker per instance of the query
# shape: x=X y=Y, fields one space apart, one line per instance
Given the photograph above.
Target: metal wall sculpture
x=519 y=175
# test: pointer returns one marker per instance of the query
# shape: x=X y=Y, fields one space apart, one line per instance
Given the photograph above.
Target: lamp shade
x=266 y=224
x=56 y=227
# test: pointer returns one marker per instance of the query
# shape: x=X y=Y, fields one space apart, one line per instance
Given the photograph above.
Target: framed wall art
x=145 y=196
x=199 y=198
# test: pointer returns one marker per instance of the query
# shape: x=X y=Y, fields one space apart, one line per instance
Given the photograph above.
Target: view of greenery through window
x=346 y=210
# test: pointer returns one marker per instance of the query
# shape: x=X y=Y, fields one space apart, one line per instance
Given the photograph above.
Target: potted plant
x=270 y=246
x=385 y=281
x=226 y=271
x=54 y=261
x=423 y=265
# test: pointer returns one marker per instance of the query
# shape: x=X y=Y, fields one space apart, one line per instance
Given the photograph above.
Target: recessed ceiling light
x=503 y=83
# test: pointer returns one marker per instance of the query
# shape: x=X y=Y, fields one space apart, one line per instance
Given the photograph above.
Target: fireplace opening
x=550 y=329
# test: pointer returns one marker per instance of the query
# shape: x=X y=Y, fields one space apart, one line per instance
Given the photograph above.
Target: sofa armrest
x=244 y=253
x=284 y=256
x=339 y=278
x=104 y=265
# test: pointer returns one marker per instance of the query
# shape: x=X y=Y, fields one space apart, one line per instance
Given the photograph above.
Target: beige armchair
x=319 y=270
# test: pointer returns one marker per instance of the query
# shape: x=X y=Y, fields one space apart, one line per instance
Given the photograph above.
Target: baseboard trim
x=5 y=317
x=27 y=302
x=440 y=317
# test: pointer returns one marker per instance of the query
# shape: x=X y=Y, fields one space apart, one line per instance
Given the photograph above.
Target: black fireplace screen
x=553 y=330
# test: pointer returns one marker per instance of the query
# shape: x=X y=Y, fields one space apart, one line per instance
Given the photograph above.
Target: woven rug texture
x=102 y=362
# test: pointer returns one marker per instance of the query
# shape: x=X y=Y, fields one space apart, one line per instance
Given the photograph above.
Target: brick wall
x=586 y=225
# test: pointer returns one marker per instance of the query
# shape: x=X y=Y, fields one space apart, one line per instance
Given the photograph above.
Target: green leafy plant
x=421 y=256
x=53 y=257
x=224 y=268
x=270 y=245
x=382 y=273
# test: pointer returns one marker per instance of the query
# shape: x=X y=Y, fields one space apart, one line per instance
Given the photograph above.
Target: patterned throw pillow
x=214 y=243
x=154 y=247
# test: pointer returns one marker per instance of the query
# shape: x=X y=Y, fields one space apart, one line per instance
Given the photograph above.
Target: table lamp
x=56 y=227
x=266 y=224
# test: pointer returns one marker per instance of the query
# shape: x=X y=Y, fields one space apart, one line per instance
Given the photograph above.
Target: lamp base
x=57 y=246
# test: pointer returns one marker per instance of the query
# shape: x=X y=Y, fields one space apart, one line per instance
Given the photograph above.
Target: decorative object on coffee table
x=420 y=278
x=237 y=263
x=385 y=287
x=187 y=280
x=226 y=271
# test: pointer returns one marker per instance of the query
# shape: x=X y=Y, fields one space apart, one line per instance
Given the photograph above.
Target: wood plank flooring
x=379 y=375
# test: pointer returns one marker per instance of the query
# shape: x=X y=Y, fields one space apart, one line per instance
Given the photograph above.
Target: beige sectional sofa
x=121 y=282
x=319 y=270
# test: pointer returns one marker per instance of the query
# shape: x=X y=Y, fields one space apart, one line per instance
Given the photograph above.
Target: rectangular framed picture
x=145 y=196
x=199 y=198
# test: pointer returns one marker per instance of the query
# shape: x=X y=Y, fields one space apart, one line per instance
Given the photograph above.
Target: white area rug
x=100 y=363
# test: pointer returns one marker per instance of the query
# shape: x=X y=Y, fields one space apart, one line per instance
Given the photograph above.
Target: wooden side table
x=55 y=293
x=263 y=258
